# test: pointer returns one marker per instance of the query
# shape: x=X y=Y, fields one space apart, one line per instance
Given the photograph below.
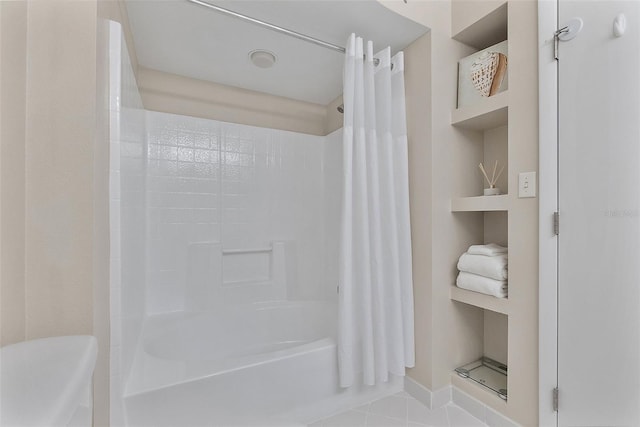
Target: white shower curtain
x=375 y=335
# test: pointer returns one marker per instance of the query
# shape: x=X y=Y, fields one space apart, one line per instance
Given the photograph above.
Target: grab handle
x=247 y=251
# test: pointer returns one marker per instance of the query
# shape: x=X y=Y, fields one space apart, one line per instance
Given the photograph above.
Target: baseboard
x=431 y=399
x=441 y=397
x=479 y=410
x=438 y=398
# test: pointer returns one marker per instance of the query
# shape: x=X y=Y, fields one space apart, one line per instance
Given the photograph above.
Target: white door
x=599 y=195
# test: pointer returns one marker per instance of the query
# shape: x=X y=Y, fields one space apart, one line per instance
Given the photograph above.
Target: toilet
x=48 y=382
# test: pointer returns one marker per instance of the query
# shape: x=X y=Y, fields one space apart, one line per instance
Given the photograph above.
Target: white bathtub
x=239 y=334
x=257 y=364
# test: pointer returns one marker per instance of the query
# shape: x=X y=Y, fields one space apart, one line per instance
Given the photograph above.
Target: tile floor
x=401 y=410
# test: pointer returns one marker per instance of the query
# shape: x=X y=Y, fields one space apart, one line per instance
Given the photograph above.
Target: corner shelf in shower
x=476 y=299
x=480 y=203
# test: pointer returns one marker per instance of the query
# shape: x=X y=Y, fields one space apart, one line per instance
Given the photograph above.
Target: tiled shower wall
x=244 y=187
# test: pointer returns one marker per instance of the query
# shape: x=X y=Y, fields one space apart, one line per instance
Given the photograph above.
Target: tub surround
x=230 y=220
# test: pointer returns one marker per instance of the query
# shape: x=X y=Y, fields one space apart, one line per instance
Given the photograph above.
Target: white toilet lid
x=42 y=381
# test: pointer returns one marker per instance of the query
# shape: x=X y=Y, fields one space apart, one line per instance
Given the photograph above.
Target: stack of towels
x=483 y=268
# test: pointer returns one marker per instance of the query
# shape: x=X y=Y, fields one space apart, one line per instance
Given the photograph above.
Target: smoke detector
x=262 y=58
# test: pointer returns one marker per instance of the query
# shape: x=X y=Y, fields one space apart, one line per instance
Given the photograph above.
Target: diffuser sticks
x=492 y=190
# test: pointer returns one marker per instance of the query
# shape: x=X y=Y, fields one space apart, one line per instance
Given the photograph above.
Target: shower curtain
x=375 y=335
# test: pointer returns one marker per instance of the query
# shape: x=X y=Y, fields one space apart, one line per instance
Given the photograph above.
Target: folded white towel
x=473 y=282
x=493 y=267
x=488 y=250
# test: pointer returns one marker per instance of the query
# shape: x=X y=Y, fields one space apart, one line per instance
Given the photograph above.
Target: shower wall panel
x=127 y=215
x=237 y=188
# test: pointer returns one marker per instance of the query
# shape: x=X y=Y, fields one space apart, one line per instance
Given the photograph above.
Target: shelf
x=486 y=373
x=479 y=24
x=480 y=203
x=482 y=392
x=476 y=299
x=490 y=113
x=479 y=392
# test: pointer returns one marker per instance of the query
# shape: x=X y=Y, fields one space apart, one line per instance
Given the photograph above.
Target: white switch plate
x=527 y=184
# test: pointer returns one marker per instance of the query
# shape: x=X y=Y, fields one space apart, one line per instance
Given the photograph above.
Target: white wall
x=13 y=62
x=53 y=171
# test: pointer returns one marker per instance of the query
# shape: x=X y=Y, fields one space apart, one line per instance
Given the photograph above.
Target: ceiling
x=187 y=39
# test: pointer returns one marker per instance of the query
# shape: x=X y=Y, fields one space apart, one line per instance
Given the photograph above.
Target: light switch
x=527 y=184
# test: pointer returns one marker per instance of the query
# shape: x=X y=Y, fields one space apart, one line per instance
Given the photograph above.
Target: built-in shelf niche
x=484 y=131
x=493 y=344
x=485 y=315
x=488 y=146
x=495 y=228
x=479 y=24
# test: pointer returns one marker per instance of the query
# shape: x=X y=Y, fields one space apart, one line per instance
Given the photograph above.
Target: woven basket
x=488 y=71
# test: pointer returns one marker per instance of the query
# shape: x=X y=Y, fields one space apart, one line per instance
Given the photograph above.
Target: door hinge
x=556 y=223
x=555 y=399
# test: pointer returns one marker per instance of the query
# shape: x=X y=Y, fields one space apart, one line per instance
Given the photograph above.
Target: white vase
x=494 y=191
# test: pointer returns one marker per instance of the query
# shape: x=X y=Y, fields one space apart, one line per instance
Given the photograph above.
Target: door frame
x=548 y=204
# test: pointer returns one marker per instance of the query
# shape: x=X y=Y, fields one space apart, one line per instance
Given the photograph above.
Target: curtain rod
x=270 y=26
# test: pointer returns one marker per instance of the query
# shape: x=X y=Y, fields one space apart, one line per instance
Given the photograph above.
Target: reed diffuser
x=492 y=190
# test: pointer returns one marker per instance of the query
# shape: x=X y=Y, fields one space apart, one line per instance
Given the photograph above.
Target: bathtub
x=256 y=364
